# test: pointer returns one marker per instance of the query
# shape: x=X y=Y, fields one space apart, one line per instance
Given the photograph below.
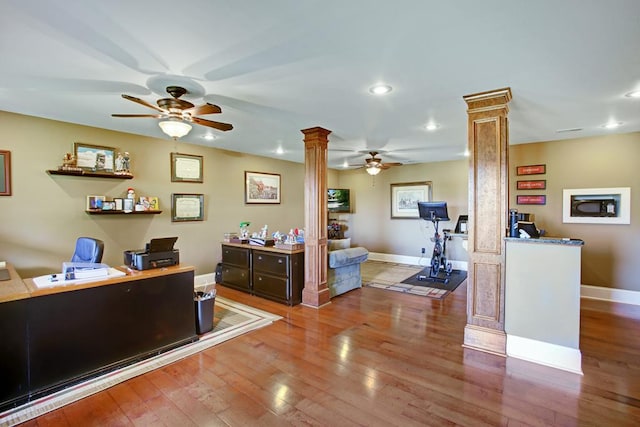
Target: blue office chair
x=88 y=250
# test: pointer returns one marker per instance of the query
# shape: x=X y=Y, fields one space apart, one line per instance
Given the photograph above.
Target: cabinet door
x=235 y=256
x=273 y=263
x=271 y=287
x=237 y=278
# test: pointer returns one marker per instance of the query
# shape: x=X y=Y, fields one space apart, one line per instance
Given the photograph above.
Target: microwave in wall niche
x=594 y=207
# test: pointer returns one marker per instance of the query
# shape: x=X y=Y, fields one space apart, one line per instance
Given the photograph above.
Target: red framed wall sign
x=531 y=170
x=531 y=200
x=538 y=184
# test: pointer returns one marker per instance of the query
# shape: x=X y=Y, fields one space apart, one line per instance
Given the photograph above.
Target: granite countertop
x=548 y=240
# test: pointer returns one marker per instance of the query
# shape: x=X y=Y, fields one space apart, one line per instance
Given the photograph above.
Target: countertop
x=18 y=288
x=264 y=248
x=548 y=240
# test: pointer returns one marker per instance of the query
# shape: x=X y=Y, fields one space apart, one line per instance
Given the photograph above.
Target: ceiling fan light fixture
x=174 y=128
x=373 y=170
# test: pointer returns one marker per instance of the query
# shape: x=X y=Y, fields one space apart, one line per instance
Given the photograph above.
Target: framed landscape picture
x=95 y=158
x=261 y=187
x=405 y=198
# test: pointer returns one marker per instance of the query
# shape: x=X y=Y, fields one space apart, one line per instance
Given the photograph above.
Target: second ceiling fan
x=374 y=164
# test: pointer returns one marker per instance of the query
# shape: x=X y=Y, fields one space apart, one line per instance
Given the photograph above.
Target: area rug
x=231 y=319
x=404 y=278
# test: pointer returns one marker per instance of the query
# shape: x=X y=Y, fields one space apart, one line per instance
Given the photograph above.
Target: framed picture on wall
x=5 y=173
x=405 y=197
x=260 y=187
x=187 y=207
x=186 y=168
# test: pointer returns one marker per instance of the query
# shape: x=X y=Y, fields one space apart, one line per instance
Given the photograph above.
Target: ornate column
x=488 y=207
x=315 y=292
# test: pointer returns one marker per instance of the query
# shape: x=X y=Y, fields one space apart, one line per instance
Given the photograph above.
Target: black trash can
x=204 y=311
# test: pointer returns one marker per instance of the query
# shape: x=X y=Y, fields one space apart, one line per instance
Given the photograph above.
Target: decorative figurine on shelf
x=291 y=238
x=131 y=194
x=126 y=163
x=69 y=163
x=244 y=229
x=120 y=164
x=264 y=231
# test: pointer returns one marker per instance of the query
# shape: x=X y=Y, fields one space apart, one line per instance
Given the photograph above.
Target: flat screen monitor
x=431 y=211
x=339 y=200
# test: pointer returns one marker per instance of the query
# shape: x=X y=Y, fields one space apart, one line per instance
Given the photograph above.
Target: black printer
x=157 y=253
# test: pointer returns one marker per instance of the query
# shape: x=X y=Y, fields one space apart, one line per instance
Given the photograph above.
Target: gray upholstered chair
x=88 y=249
x=344 y=266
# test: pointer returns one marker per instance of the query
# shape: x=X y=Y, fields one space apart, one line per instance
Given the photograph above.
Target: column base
x=485 y=339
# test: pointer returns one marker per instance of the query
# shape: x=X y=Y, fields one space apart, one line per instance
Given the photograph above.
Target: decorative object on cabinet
x=187 y=207
x=597 y=205
x=94 y=158
x=5 y=173
x=531 y=170
x=186 y=168
x=531 y=200
x=261 y=187
x=405 y=198
x=538 y=184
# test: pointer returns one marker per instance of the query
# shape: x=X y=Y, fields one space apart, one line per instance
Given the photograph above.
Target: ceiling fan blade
x=142 y=102
x=203 y=109
x=155 y=116
x=212 y=124
x=392 y=164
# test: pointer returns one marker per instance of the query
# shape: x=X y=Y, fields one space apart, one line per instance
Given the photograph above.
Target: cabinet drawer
x=236 y=277
x=273 y=263
x=235 y=256
x=267 y=286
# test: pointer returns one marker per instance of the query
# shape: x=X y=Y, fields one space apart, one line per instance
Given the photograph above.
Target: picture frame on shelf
x=128 y=205
x=187 y=207
x=261 y=188
x=186 y=168
x=119 y=203
x=405 y=197
x=5 y=173
x=95 y=202
x=94 y=158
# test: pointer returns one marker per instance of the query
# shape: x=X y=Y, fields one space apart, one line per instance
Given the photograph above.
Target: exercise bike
x=439 y=262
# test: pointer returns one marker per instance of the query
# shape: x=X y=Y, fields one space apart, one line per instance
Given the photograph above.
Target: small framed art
x=186 y=168
x=187 y=207
x=261 y=187
x=5 y=173
x=405 y=198
x=95 y=158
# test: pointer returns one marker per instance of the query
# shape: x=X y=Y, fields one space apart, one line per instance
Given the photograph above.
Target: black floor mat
x=422 y=279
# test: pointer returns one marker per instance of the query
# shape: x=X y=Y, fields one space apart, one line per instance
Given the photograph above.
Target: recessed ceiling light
x=634 y=94
x=279 y=150
x=380 y=89
x=209 y=137
x=612 y=125
x=345 y=164
x=431 y=126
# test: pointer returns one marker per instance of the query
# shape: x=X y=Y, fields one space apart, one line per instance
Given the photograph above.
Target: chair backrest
x=88 y=250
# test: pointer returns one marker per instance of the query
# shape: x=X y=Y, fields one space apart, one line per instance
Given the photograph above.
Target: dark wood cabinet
x=236 y=267
x=267 y=272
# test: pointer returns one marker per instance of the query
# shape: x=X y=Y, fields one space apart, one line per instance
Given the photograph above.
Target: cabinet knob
x=260 y=257
x=280 y=261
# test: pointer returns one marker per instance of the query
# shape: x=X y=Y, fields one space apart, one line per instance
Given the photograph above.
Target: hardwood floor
x=378 y=358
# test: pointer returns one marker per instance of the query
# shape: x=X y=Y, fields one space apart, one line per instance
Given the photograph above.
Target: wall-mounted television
x=339 y=200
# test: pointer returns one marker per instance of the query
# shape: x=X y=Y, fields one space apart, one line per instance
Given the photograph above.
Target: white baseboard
x=412 y=260
x=544 y=353
x=609 y=294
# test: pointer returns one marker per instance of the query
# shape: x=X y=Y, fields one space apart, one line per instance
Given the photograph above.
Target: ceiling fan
x=178 y=113
x=374 y=164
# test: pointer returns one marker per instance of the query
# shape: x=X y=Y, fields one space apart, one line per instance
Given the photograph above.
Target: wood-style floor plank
x=378 y=358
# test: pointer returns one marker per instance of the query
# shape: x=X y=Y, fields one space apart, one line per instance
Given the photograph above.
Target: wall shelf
x=88 y=174
x=101 y=212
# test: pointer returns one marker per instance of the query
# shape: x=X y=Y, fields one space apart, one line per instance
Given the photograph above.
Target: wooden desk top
x=14 y=288
x=34 y=291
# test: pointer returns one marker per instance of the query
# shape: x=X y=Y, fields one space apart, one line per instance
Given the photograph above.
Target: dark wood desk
x=66 y=334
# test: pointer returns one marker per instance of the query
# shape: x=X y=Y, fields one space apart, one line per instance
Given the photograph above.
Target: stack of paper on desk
x=84 y=270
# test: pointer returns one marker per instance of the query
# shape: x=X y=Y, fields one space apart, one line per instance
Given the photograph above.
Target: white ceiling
x=278 y=66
